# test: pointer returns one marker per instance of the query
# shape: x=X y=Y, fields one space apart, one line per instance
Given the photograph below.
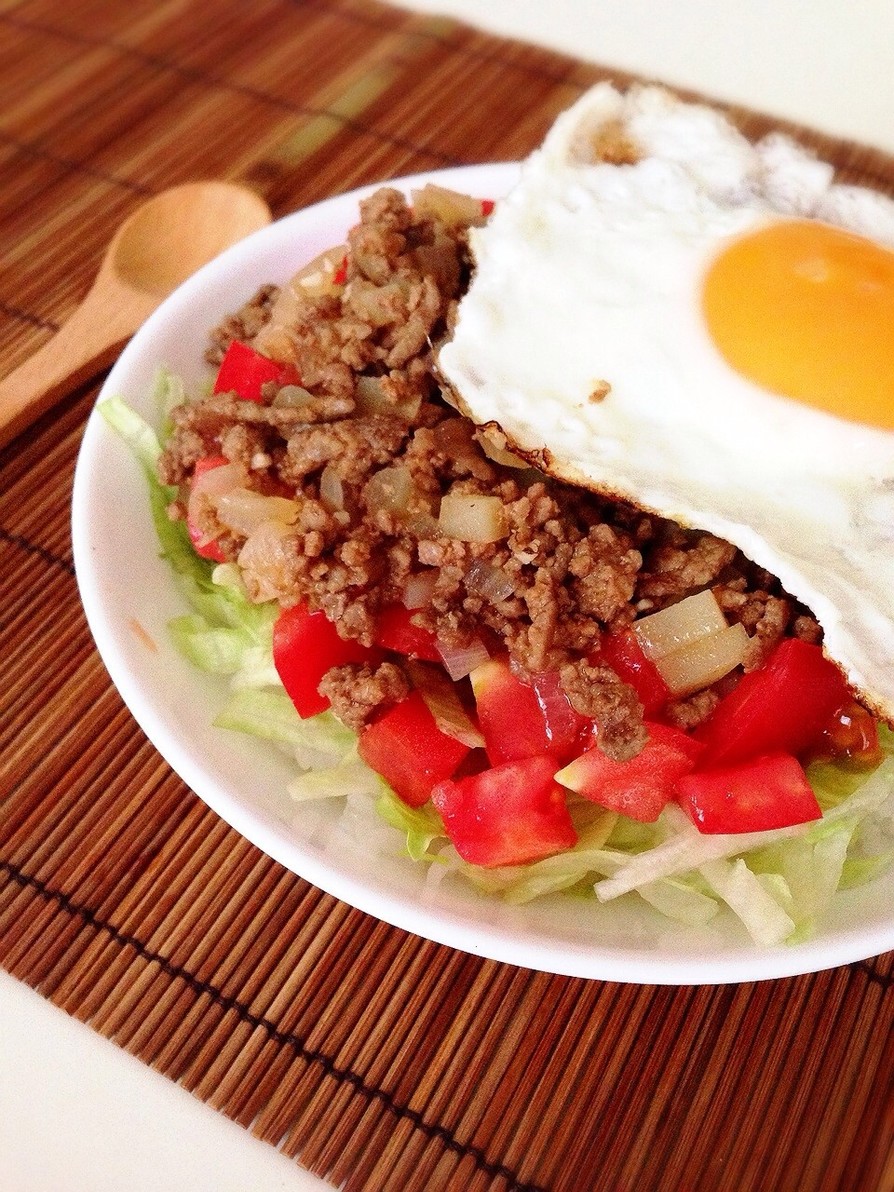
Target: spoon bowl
x=172 y=235
x=160 y=245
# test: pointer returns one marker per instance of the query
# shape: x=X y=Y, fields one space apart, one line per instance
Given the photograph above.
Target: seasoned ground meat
x=366 y=448
x=679 y=564
x=806 y=627
x=353 y=447
x=689 y=713
x=766 y=617
x=243 y=325
x=357 y=692
x=597 y=693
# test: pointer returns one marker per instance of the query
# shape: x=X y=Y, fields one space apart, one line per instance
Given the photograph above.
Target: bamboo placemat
x=375 y=1058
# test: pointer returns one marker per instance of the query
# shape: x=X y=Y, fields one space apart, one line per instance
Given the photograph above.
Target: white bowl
x=128 y=592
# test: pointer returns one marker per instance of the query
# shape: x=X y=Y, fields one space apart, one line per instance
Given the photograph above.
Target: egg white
x=590 y=273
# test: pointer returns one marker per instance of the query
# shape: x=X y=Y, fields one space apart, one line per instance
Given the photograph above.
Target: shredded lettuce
x=422 y=826
x=136 y=432
x=681 y=900
x=563 y=871
x=226 y=634
x=206 y=646
x=349 y=777
x=779 y=883
x=857 y=871
x=749 y=898
x=143 y=442
x=168 y=391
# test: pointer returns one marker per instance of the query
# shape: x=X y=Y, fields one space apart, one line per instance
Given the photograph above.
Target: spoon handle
x=85 y=344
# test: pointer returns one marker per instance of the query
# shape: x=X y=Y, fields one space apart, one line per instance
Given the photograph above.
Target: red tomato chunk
x=208 y=550
x=410 y=752
x=509 y=815
x=623 y=653
x=642 y=786
x=305 y=646
x=781 y=708
x=755 y=796
x=524 y=719
x=341 y=274
x=243 y=371
x=395 y=631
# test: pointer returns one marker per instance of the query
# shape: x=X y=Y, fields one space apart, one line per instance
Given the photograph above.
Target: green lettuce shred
x=348 y=777
x=422 y=826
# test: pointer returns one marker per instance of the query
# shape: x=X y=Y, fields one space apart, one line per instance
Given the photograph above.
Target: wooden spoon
x=161 y=244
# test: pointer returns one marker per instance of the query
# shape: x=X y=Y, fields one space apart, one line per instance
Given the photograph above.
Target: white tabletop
x=115 y=1123
x=823 y=63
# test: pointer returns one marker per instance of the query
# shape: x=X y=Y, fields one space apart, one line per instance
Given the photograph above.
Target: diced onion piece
x=318 y=275
x=419 y=589
x=207 y=487
x=490 y=582
x=263 y=559
x=704 y=661
x=315 y=279
x=370 y=395
x=389 y=490
x=449 y=206
x=444 y=704
x=470 y=518
x=490 y=444
x=681 y=623
x=214 y=481
x=422 y=525
x=460 y=661
x=293 y=397
x=242 y=510
x=332 y=491
x=373 y=397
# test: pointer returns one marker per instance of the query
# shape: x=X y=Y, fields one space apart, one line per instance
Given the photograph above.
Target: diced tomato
x=509 y=815
x=305 y=646
x=341 y=274
x=509 y=714
x=243 y=371
x=781 y=708
x=395 y=631
x=851 y=734
x=754 y=796
x=208 y=464
x=487 y=206
x=408 y=749
x=524 y=719
x=623 y=653
x=208 y=550
x=565 y=728
x=642 y=786
x=677 y=739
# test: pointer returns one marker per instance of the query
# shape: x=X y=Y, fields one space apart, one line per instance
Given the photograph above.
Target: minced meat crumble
x=367 y=447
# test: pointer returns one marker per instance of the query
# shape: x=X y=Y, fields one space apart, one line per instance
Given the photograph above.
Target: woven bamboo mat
x=375 y=1058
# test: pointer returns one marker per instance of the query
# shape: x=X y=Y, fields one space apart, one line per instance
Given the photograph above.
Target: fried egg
x=665 y=312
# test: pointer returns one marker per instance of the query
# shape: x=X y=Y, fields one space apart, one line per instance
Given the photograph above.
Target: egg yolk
x=807 y=310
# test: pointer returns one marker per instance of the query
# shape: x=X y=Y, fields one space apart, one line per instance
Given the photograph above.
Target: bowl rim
x=445 y=926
